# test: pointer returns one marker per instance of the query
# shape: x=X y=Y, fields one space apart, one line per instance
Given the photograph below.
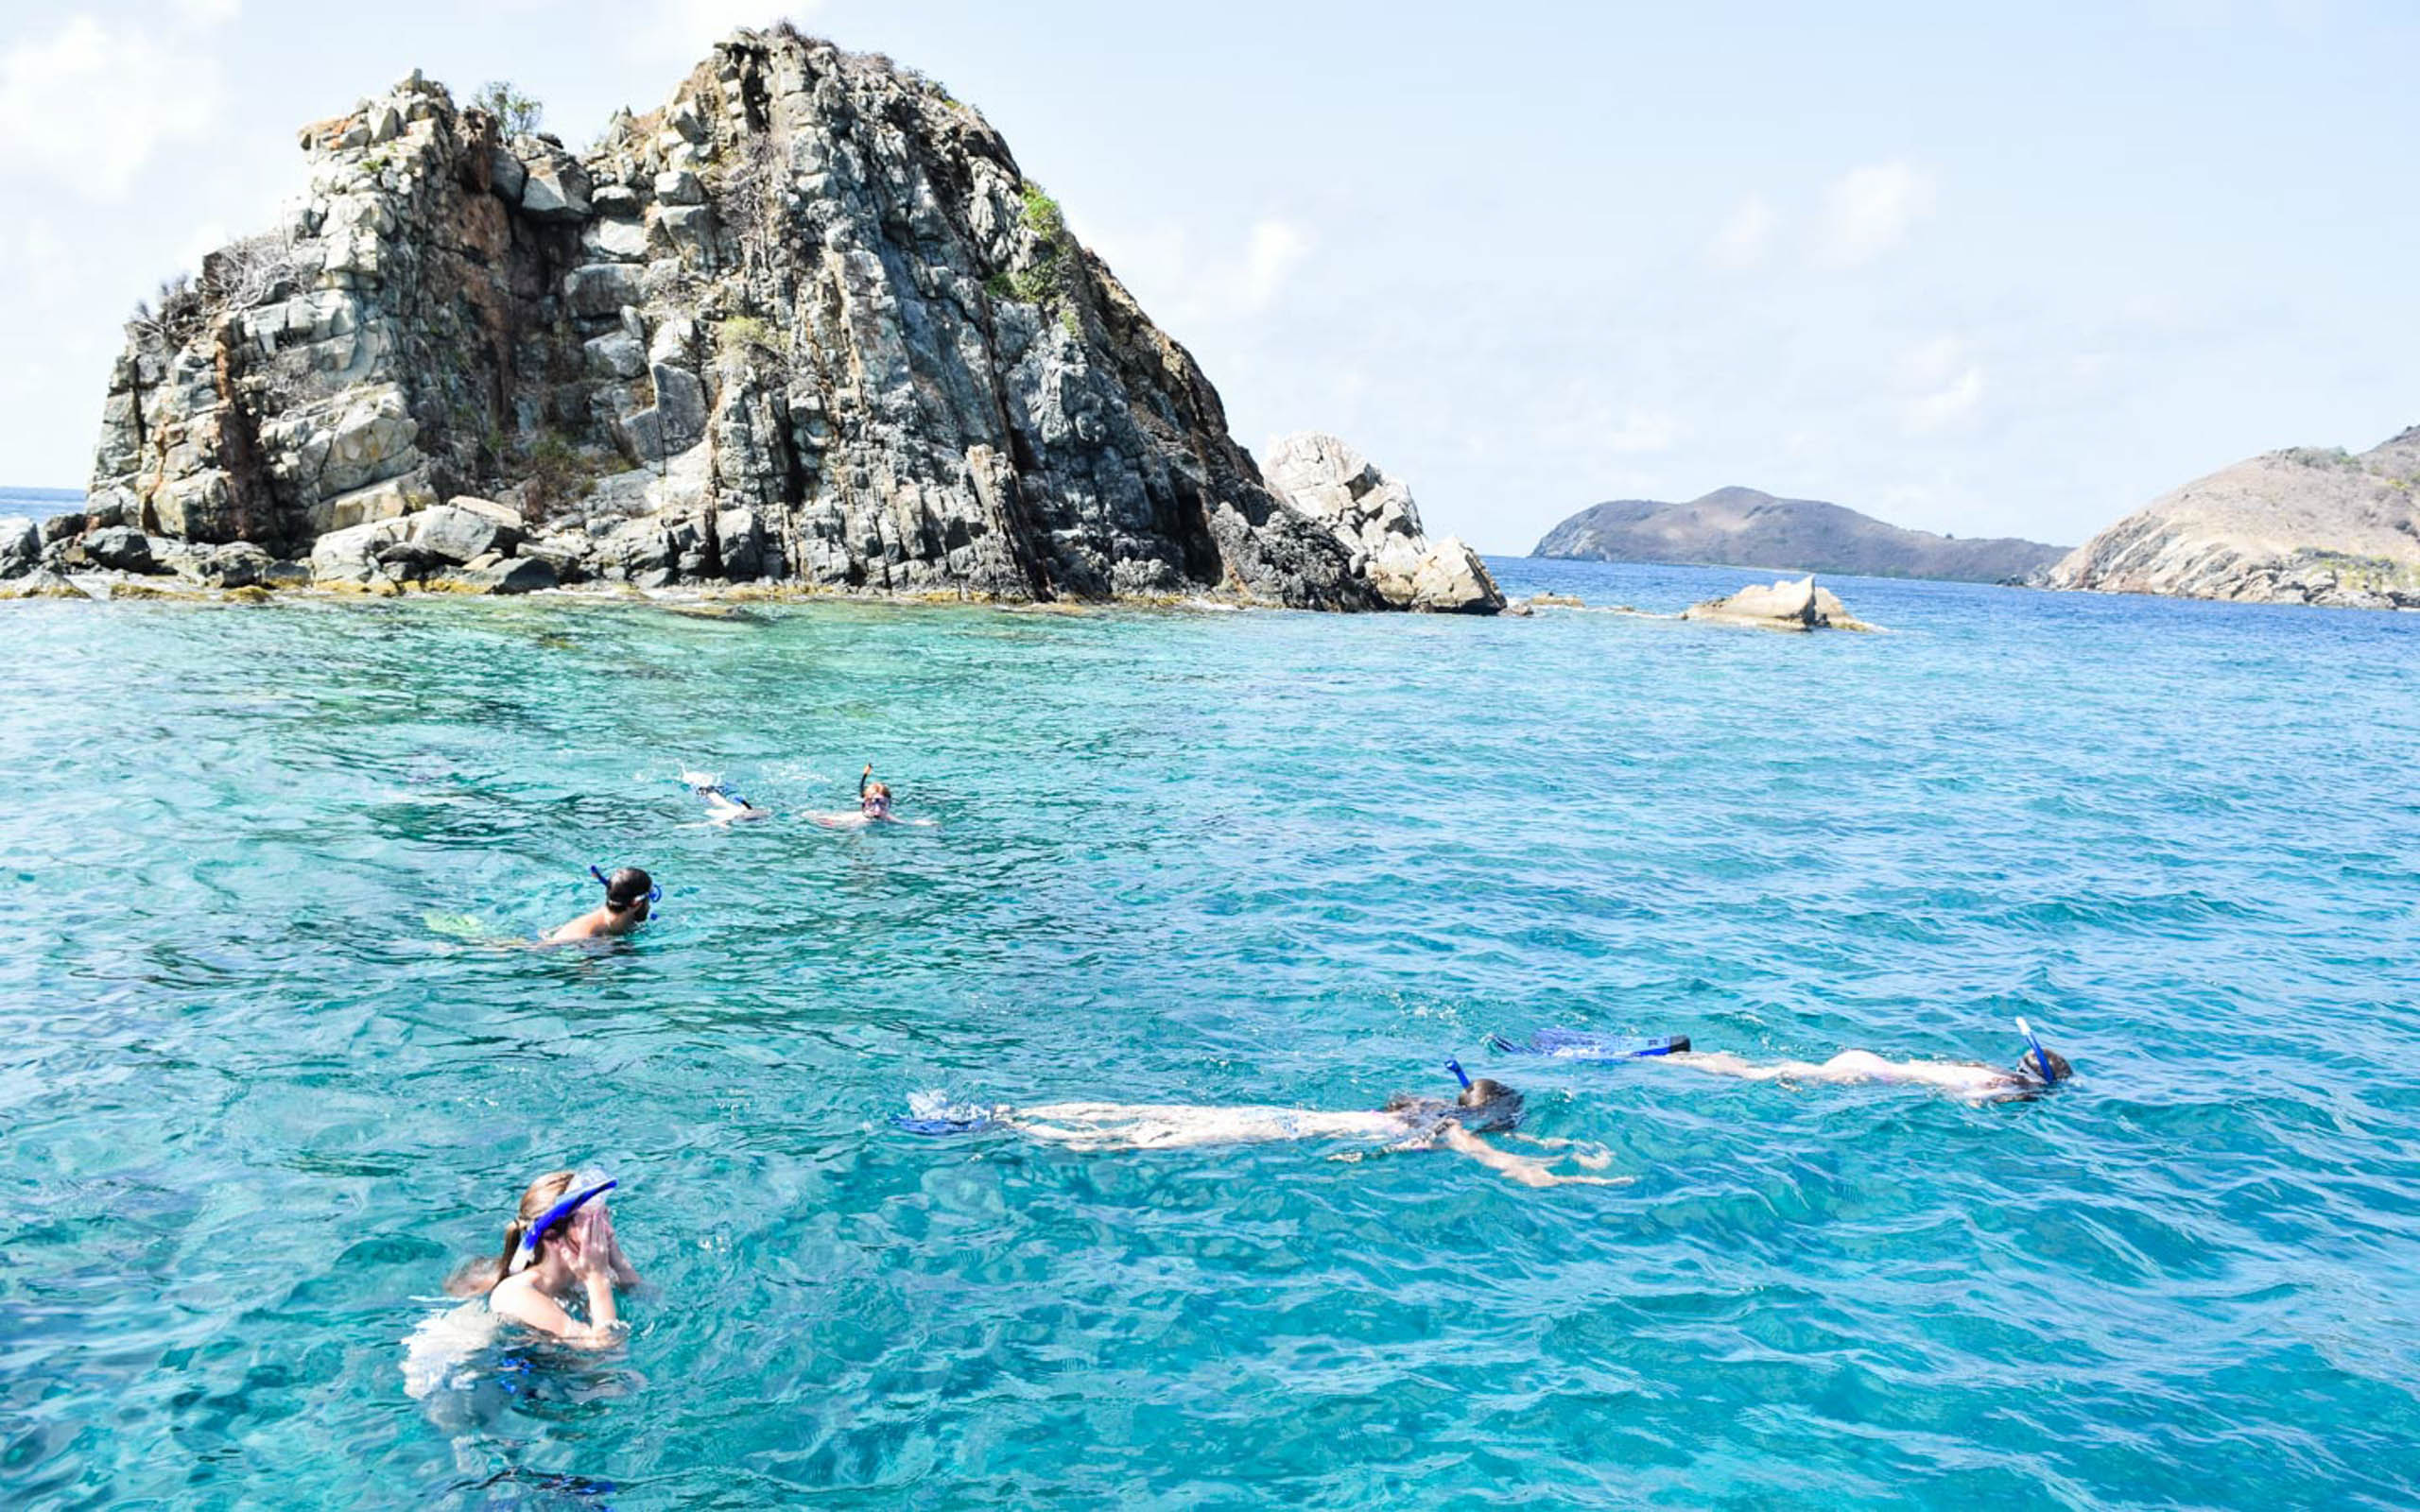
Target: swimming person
x=1405 y=1123
x=629 y=894
x=559 y=1247
x=722 y=805
x=873 y=807
x=2036 y=1072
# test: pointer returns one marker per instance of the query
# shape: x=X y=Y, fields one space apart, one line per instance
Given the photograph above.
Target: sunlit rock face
x=807 y=322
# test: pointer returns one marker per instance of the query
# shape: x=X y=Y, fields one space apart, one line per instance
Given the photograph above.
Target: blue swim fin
x=1576 y=1044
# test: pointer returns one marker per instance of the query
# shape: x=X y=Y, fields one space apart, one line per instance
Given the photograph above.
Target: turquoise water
x=255 y=1108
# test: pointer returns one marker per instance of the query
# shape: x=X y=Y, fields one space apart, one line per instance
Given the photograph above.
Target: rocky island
x=1743 y=527
x=2296 y=526
x=807 y=324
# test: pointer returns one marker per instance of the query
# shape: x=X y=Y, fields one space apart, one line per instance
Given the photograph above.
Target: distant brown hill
x=1743 y=527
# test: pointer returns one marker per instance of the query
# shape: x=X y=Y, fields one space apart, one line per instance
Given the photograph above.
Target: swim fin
x=1575 y=1045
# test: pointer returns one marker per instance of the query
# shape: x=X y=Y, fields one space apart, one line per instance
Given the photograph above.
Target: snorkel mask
x=2040 y=1058
x=527 y=1252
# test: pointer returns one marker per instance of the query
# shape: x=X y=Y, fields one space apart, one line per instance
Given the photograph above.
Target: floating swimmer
x=2036 y=1072
x=1405 y=1123
x=629 y=894
x=723 y=806
x=873 y=807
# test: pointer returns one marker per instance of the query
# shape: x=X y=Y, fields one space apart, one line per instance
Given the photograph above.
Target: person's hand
x=590 y=1254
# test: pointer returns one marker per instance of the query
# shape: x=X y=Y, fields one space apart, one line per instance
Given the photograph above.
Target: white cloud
x=1868 y=211
x=209 y=12
x=1740 y=242
x=89 y=107
x=1643 y=430
x=1947 y=383
x=1276 y=248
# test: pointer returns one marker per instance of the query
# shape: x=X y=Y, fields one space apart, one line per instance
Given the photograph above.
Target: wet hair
x=476 y=1277
x=628 y=888
x=1486 y=1105
x=2059 y=1070
x=1491 y=1104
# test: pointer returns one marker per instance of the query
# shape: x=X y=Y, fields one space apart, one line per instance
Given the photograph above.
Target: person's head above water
x=2031 y=1069
x=1485 y=1105
x=877 y=799
x=521 y=1249
x=2046 y=1068
x=1489 y=1104
x=629 y=889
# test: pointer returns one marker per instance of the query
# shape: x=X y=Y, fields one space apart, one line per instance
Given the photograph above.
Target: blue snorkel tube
x=529 y=1251
x=1460 y=1075
x=2041 y=1058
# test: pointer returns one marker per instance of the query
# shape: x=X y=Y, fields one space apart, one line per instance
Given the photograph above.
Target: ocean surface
x=253 y=1107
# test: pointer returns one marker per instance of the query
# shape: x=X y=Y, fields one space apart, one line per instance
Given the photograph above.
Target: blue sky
x=1992 y=270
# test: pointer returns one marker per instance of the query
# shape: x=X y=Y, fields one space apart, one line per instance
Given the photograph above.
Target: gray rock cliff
x=1375 y=517
x=1742 y=527
x=807 y=324
x=2297 y=526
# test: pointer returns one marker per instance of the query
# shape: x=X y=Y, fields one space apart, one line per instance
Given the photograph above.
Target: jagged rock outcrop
x=808 y=322
x=1375 y=519
x=2297 y=526
x=1783 y=606
x=1743 y=527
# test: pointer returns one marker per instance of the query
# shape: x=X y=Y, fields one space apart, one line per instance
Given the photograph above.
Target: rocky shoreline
x=808 y=323
x=2302 y=525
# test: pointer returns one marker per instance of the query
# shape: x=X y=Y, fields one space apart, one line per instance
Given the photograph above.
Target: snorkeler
x=1405 y=1123
x=873 y=807
x=558 y=1250
x=629 y=894
x=722 y=805
x=2036 y=1072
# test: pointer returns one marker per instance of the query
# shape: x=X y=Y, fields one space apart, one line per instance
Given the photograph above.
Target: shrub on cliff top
x=516 y=115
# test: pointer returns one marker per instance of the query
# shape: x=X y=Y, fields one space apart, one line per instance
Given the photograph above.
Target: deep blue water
x=253 y=1108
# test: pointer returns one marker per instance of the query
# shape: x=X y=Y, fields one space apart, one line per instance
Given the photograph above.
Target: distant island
x=2298 y=526
x=1744 y=528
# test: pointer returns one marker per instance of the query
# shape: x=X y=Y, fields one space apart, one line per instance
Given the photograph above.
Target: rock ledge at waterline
x=808 y=323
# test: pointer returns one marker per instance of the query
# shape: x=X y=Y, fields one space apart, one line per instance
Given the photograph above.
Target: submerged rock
x=1783 y=606
x=1375 y=517
x=807 y=322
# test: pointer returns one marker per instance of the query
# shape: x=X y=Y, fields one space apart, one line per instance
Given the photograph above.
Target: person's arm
x=532 y=1308
x=1529 y=1173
